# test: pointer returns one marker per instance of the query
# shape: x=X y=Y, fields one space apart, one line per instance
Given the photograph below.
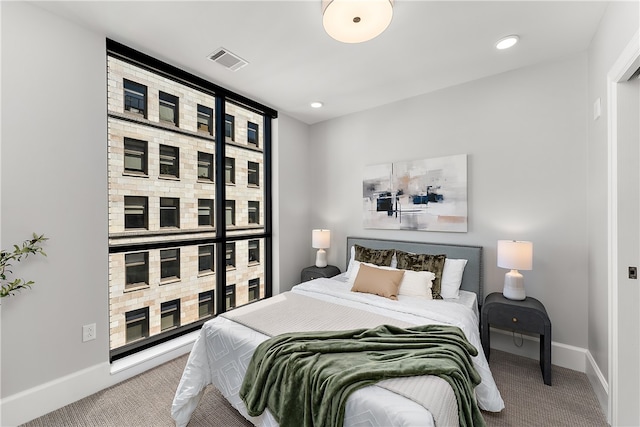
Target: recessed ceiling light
x=507 y=42
x=316 y=104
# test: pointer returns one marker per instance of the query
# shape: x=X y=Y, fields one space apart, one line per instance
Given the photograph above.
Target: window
x=254 y=289
x=230 y=212
x=136 y=269
x=205 y=212
x=230 y=297
x=254 y=251
x=205 y=259
x=229 y=127
x=252 y=133
x=230 y=255
x=205 y=166
x=230 y=170
x=173 y=238
x=135 y=212
x=205 y=304
x=169 y=264
x=137 y=322
x=169 y=212
x=254 y=212
x=205 y=119
x=253 y=174
x=135 y=156
x=135 y=98
x=168 y=108
x=170 y=314
x=169 y=157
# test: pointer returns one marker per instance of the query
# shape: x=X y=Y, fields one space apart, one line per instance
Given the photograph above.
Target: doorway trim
x=624 y=67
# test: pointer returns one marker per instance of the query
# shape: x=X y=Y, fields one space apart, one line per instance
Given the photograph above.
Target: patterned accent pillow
x=374 y=256
x=424 y=262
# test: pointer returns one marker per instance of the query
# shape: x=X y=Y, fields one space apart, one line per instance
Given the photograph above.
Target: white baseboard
x=566 y=356
x=599 y=384
x=27 y=405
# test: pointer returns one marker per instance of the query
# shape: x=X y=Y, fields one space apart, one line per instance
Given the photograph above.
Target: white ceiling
x=428 y=46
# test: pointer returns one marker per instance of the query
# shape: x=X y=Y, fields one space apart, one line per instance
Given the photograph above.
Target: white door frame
x=626 y=64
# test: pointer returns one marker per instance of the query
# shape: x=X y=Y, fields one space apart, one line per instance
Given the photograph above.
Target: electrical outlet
x=89 y=332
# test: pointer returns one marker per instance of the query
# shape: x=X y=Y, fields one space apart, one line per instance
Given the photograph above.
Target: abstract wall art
x=424 y=195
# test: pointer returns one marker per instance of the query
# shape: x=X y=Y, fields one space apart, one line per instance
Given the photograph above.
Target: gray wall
x=54 y=181
x=618 y=25
x=525 y=136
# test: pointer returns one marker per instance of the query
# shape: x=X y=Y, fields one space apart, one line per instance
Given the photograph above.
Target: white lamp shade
x=355 y=21
x=320 y=239
x=515 y=255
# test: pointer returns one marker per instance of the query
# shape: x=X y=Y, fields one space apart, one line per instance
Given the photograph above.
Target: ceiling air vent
x=227 y=59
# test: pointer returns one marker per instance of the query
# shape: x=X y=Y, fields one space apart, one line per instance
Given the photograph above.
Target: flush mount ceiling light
x=356 y=21
x=507 y=42
x=316 y=104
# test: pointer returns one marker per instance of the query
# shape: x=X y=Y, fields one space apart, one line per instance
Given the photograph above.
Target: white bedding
x=223 y=350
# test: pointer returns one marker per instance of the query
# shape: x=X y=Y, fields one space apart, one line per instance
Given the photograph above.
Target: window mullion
x=220 y=205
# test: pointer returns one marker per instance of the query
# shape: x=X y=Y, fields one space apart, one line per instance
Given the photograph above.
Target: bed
x=224 y=348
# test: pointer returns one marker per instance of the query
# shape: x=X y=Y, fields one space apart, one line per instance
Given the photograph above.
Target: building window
x=170 y=314
x=230 y=212
x=229 y=170
x=135 y=212
x=135 y=156
x=135 y=98
x=137 y=322
x=205 y=259
x=169 y=108
x=169 y=212
x=205 y=304
x=230 y=255
x=252 y=133
x=205 y=119
x=229 y=126
x=169 y=161
x=169 y=265
x=205 y=212
x=230 y=297
x=254 y=289
x=254 y=251
x=136 y=267
x=253 y=174
x=205 y=166
x=254 y=212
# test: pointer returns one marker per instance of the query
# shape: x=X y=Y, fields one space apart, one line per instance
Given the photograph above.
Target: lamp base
x=321 y=258
x=514 y=286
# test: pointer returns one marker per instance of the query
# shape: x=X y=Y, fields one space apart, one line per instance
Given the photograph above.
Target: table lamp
x=320 y=240
x=514 y=255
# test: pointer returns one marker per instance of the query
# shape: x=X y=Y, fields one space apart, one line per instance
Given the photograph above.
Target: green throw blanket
x=305 y=378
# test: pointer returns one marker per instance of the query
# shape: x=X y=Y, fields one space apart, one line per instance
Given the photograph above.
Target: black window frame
x=221 y=96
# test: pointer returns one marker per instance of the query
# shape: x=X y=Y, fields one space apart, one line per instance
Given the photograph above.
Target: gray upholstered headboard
x=471 y=280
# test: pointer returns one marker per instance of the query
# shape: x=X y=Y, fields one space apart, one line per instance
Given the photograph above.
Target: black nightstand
x=528 y=315
x=313 y=272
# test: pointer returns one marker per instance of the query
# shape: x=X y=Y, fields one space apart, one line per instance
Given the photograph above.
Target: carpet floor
x=145 y=400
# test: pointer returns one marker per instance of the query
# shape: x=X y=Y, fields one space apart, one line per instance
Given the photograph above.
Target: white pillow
x=417 y=284
x=452 y=277
x=413 y=284
x=352 y=258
